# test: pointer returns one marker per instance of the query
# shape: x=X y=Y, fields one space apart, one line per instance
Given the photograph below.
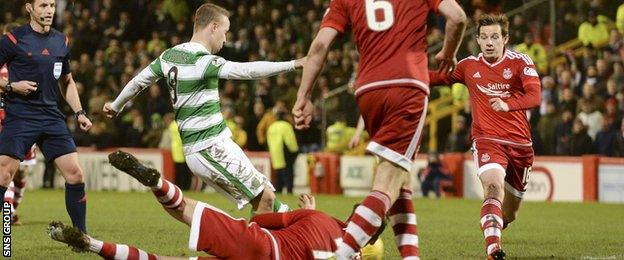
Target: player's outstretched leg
x=491 y=212
x=167 y=193
x=78 y=240
x=403 y=221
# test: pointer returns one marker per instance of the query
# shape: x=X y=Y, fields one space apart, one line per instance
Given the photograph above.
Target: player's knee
x=74 y=175
x=492 y=190
x=7 y=170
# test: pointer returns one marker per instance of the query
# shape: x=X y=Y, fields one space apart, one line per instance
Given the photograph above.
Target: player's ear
x=29 y=8
x=505 y=39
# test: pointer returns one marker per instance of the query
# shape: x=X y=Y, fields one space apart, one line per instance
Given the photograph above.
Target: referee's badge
x=58 y=67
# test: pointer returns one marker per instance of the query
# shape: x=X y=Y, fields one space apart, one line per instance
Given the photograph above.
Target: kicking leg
x=403 y=220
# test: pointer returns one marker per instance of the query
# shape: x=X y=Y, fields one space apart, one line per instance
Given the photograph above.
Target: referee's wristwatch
x=8 y=88
x=80 y=112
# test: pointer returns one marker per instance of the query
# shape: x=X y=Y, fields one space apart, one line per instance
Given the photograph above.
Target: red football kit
x=392 y=83
x=500 y=139
x=299 y=234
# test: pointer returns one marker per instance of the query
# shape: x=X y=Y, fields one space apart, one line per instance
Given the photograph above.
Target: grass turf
x=448 y=228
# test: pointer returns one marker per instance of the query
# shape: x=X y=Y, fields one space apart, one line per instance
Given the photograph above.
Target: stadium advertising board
x=611 y=183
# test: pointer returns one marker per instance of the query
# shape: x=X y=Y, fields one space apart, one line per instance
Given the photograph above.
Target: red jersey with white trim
x=303 y=233
x=513 y=79
x=390 y=37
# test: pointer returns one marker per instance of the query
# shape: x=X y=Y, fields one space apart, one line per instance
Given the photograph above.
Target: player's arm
x=70 y=93
x=529 y=99
x=144 y=79
x=317 y=54
x=454 y=32
x=258 y=69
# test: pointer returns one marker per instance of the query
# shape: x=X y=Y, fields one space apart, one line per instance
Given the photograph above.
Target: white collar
x=194 y=46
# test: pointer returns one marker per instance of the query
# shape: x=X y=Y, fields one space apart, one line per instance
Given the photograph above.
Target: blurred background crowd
x=582 y=93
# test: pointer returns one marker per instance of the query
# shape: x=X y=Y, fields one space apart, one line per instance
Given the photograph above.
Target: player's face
x=491 y=41
x=220 y=32
x=42 y=11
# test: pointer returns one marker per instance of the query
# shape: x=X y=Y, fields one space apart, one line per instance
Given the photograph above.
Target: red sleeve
x=270 y=220
x=436 y=78
x=532 y=89
x=433 y=5
x=336 y=16
x=281 y=220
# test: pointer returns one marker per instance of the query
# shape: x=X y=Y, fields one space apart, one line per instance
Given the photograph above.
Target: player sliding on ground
x=503 y=85
x=192 y=72
x=301 y=234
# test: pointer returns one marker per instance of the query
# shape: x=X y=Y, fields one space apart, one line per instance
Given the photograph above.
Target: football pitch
x=448 y=228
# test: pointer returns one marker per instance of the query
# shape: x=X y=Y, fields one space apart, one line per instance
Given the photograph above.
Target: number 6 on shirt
x=371 y=19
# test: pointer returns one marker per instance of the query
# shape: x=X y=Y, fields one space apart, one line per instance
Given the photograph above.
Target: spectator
x=153 y=135
x=156 y=103
x=283 y=149
x=267 y=119
x=284 y=91
x=606 y=140
x=619 y=141
x=580 y=143
x=536 y=51
x=593 y=33
x=136 y=130
x=568 y=100
x=563 y=134
x=589 y=97
x=459 y=140
x=591 y=118
x=238 y=133
x=547 y=123
x=433 y=176
x=251 y=124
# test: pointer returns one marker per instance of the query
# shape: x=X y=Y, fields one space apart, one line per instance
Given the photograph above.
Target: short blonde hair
x=208 y=13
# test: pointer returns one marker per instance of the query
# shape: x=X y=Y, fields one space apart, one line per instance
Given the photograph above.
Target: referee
x=37 y=58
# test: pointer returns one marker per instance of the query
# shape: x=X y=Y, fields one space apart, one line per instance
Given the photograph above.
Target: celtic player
x=192 y=72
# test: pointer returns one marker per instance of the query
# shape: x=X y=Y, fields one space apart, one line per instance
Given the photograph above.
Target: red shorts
x=394 y=118
x=515 y=160
x=217 y=233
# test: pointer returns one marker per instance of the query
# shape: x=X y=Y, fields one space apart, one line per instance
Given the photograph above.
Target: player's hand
x=24 y=87
x=302 y=112
x=355 y=141
x=499 y=105
x=299 y=63
x=85 y=123
x=445 y=64
x=307 y=201
x=109 y=111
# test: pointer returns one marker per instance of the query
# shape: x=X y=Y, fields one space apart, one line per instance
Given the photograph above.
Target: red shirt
x=302 y=234
x=390 y=37
x=514 y=79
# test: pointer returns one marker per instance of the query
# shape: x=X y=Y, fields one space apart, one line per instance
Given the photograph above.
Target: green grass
x=448 y=228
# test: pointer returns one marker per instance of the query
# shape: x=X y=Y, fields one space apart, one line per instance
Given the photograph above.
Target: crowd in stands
x=582 y=104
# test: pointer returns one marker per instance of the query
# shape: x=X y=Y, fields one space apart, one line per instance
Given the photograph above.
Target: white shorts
x=225 y=167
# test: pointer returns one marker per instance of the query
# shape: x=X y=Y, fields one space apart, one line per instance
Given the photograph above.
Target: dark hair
x=492 y=19
x=206 y=14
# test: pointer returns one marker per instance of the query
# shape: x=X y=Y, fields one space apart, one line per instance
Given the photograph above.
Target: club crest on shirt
x=58 y=68
x=507 y=73
x=485 y=157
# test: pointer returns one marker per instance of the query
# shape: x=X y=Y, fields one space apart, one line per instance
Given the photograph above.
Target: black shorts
x=50 y=134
